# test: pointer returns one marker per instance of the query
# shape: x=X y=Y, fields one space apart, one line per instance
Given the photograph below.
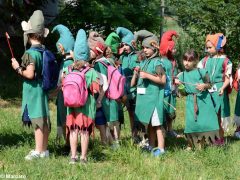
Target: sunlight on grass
x=126 y=163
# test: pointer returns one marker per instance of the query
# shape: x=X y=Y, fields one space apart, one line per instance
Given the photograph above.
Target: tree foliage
x=201 y=17
x=105 y=15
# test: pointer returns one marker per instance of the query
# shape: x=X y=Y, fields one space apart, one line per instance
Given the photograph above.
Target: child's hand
x=15 y=64
x=177 y=81
x=221 y=91
x=99 y=104
x=200 y=87
x=143 y=75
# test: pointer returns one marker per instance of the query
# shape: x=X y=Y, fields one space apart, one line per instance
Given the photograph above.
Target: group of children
x=151 y=87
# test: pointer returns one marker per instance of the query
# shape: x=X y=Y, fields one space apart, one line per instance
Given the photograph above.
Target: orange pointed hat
x=167 y=43
x=218 y=40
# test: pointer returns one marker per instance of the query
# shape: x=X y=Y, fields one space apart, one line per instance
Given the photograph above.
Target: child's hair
x=78 y=65
x=37 y=36
x=191 y=55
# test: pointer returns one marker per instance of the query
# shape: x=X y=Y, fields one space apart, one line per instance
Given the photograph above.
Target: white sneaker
x=32 y=155
x=237 y=134
x=44 y=154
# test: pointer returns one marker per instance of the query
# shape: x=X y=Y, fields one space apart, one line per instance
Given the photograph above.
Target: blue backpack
x=50 y=69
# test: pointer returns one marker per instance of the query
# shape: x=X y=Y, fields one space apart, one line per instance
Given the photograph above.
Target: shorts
x=100 y=117
x=40 y=123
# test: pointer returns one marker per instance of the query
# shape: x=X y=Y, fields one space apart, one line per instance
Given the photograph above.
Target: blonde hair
x=78 y=65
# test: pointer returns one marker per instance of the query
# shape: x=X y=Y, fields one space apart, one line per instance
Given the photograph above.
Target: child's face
x=127 y=48
x=211 y=48
x=188 y=65
x=148 y=51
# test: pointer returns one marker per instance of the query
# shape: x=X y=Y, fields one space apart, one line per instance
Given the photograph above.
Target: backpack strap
x=85 y=70
x=103 y=63
x=204 y=61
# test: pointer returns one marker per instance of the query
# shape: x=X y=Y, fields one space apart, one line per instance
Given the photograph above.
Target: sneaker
x=32 y=155
x=237 y=134
x=173 y=134
x=157 y=152
x=44 y=154
x=73 y=161
x=83 y=161
x=115 y=145
x=147 y=148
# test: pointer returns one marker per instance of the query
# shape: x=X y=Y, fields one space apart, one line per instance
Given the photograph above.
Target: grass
x=126 y=163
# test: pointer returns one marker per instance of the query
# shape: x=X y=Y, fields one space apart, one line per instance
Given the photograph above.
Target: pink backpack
x=75 y=91
x=116 y=82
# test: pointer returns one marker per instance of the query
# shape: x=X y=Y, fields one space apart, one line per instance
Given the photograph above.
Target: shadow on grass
x=13 y=139
x=96 y=152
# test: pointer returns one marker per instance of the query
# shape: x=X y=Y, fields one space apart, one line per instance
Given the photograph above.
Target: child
x=64 y=45
x=81 y=119
x=237 y=107
x=34 y=99
x=109 y=106
x=167 y=50
x=150 y=92
x=97 y=47
x=201 y=123
x=219 y=68
x=129 y=60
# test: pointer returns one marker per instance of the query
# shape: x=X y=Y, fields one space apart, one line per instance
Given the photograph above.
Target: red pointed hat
x=167 y=43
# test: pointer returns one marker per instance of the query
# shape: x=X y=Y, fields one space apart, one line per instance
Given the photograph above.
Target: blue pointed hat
x=81 y=48
x=126 y=35
x=66 y=38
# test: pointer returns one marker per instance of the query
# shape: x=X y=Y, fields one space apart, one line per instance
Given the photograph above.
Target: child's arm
x=203 y=86
x=225 y=85
x=27 y=73
x=159 y=79
x=135 y=76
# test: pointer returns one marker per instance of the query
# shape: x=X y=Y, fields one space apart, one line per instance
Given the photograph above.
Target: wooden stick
x=170 y=105
x=9 y=45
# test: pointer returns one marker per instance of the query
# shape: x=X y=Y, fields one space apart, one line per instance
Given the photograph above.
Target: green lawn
x=126 y=163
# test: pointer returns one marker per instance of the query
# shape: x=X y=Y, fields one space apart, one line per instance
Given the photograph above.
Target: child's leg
x=109 y=135
x=102 y=130
x=160 y=137
x=73 y=142
x=152 y=135
x=84 y=144
x=39 y=140
x=45 y=137
x=221 y=131
x=116 y=131
x=131 y=118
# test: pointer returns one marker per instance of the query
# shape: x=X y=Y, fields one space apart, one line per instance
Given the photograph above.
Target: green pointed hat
x=113 y=41
x=34 y=25
x=147 y=38
x=125 y=35
x=66 y=38
x=81 y=49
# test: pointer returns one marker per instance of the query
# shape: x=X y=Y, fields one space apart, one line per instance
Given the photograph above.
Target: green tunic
x=171 y=99
x=129 y=62
x=154 y=94
x=89 y=109
x=206 y=118
x=61 y=109
x=214 y=66
x=33 y=95
x=237 y=106
x=110 y=106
